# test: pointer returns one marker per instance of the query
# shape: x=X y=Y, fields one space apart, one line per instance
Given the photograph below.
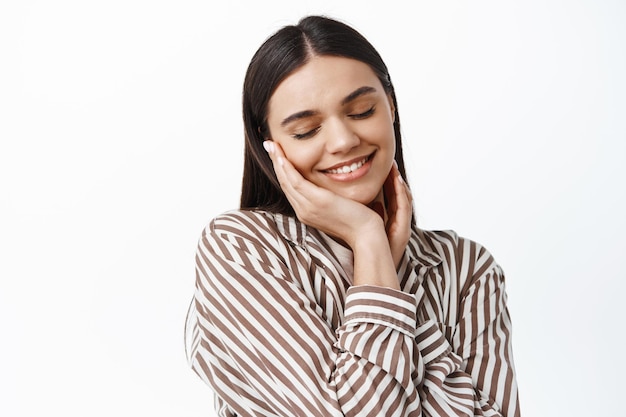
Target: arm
x=360 y=227
x=261 y=342
x=483 y=339
x=472 y=368
x=377 y=246
x=443 y=387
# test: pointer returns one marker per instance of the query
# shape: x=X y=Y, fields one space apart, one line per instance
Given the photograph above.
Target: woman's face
x=334 y=122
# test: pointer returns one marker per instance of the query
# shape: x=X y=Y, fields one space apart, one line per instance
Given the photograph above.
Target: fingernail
x=395 y=163
x=267 y=145
x=281 y=161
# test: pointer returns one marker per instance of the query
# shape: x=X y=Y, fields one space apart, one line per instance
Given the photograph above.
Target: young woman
x=320 y=296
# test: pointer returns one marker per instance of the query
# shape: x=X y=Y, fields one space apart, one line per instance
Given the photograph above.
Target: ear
x=264 y=135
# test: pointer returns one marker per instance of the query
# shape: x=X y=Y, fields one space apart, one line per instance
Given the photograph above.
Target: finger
x=277 y=156
x=400 y=206
x=398 y=227
x=278 y=160
x=270 y=148
x=289 y=173
x=396 y=189
x=296 y=188
x=404 y=200
x=404 y=189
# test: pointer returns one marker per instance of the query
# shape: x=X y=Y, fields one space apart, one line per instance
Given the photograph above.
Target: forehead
x=324 y=80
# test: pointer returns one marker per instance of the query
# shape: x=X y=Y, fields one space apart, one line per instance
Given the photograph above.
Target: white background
x=121 y=137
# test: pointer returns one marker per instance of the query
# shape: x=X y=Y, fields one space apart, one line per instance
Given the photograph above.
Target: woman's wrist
x=373 y=261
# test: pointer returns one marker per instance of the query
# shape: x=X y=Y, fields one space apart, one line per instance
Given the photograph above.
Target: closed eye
x=306 y=135
x=363 y=115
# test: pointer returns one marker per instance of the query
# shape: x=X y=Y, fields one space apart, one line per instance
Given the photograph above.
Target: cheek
x=302 y=155
x=380 y=132
x=390 y=137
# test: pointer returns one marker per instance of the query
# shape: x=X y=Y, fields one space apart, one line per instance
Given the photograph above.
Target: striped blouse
x=276 y=328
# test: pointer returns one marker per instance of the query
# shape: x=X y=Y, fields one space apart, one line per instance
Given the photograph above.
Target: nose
x=340 y=137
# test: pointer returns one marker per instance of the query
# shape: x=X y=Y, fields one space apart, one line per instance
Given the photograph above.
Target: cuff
x=381 y=305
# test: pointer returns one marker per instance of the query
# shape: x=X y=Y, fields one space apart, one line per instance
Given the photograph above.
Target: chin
x=364 y=198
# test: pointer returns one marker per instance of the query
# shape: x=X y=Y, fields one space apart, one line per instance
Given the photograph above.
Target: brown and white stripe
x=277 y=329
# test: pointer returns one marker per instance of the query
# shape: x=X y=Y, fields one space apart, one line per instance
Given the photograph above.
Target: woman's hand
x=377 y=246
x=399 y=213
x=315 y=206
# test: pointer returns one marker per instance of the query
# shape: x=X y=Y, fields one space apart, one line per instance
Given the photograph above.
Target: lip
x=350 y=162
x=356 y=174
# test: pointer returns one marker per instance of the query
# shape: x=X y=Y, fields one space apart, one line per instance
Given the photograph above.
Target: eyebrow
x=299 y=115
x=308 y=113
x=357 y=93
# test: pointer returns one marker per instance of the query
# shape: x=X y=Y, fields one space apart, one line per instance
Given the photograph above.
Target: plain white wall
x=121 y=137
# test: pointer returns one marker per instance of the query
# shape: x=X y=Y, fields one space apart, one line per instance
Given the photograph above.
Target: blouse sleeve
x=483 y=340
x=473 y=374
x=266 y=348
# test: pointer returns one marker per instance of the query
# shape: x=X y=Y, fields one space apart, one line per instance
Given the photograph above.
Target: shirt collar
x=298 y=233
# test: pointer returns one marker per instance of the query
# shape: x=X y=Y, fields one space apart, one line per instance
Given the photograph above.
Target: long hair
x=282 y=53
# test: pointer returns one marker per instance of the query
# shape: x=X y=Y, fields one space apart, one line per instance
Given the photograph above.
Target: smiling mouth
x=346 y=169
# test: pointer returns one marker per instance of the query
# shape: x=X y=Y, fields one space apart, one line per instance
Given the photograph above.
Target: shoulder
x=258 y=224
x=248 y=246
x=458 y=254
x=448 y=243
x=240 y=222
x=236 y=227
x=254 y=231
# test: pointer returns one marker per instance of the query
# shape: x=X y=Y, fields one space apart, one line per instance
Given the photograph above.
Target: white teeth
x=348 y=168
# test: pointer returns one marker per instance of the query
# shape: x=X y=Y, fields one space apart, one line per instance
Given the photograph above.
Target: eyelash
x=312 y=132
x=307 y=134
x=363 y=115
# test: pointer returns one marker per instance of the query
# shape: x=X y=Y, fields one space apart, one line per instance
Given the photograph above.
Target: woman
x=320 y=296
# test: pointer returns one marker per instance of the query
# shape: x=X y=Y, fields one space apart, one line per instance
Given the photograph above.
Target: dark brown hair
x=281 y=54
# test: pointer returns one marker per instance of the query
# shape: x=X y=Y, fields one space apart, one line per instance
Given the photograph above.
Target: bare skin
x=377 y=246
x=332 y=142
